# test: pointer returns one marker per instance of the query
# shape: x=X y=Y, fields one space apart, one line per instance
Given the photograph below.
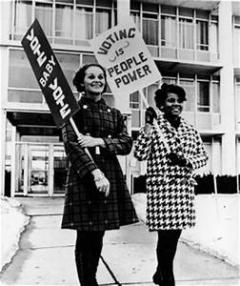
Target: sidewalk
x=46 y=255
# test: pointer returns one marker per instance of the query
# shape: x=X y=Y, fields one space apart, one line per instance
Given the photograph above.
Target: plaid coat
x=170 y=188
x=85 y=207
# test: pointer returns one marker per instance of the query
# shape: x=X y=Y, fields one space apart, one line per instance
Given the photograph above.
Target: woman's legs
x=87 y=253
x=166 y=249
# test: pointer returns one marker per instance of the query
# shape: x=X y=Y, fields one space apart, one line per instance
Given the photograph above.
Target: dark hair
x=161 y=94
x=78 y=79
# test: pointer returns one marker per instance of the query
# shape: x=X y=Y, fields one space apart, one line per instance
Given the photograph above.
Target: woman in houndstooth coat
x=97 y=198
x=172 y=155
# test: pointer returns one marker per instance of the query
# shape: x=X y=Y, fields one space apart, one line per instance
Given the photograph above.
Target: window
x=213 y=38
x=237 y=100
x=216 y=97
x=43 y=12
x=150 y=29
x=189 y=88
x=103 y=20
x=202 y=35
x=186 y=33
x=136 y=112
x=136 y=18
x=69 y=64
x=64 y=23
x=168 y=31
x=150 y=94
x=22 y=18
x=83 y=23
x=236 y=45
x=203 y=101
x=134 y=100
x=25 y=88
x=19 y=65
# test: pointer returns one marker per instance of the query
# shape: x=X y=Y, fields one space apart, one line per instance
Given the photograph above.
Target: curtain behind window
x=216 y=97
x=23 y=17
x=83 y=24
x=202 y=35
x=189 y=88
x=64 y=21
x=136 y=19
x=168 y=31
x=150 y=32
x=203 y=97
x=236 y=45
x=103 y=20
x=213 y=38
x=186 y=34
x=43 y=13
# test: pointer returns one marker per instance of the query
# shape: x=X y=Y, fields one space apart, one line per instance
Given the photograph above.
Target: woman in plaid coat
x=97 y=198
x=172 y=154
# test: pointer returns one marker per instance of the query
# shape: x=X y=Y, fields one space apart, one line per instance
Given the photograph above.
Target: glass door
x=60 y=169
x=38 y=156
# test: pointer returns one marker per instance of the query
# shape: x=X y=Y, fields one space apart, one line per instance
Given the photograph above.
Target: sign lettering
x=126 y=58
x=49 y=74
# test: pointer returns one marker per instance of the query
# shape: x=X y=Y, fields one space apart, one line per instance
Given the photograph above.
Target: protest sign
x=126 y=58
x=49 y=75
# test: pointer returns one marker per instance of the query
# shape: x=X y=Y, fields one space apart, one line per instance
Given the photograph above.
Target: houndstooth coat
x=170 y=188
x=85 y=208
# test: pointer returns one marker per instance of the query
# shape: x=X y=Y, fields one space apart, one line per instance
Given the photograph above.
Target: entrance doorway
x=40 y=169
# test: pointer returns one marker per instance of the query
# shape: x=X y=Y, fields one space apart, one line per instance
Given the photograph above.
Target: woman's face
x=172 y=106
x=94 y=81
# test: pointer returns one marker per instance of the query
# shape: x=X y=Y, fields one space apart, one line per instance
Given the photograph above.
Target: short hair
x=78 y=79
x=161 y=94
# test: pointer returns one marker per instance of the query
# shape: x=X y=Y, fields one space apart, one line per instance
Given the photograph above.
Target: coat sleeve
x=142 y=146
x=200 y=155
x=121 y=144
x=80 y=161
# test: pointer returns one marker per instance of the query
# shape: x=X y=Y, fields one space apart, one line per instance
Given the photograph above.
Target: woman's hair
x=161 y=94
x=78 y=79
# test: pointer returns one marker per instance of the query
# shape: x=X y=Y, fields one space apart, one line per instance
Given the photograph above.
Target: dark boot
x=166 y=249
x=87 y=253
x=157 y=277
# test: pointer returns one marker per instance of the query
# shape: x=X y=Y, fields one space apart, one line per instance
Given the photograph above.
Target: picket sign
x=129 y=65
x=50 y=77
x=127 y=60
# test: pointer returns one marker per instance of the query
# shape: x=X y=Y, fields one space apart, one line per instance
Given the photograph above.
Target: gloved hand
x=150 y=114
x=177 y=160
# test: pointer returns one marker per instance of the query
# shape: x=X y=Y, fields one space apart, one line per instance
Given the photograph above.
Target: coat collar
x=165 y=124
x=89 y=101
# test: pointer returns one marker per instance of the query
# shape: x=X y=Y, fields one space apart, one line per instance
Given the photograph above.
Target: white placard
x=127 y=60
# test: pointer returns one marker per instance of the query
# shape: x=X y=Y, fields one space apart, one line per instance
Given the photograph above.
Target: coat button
x=109 y=136
x=85 y=106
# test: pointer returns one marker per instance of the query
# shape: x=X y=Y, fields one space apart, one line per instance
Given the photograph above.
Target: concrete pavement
x=46 y=255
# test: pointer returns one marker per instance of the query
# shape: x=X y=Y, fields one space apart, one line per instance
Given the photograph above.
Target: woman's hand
x=178 y=160
x=150 y=115
x=101 y=182
x=148 y=129
x=86 y=141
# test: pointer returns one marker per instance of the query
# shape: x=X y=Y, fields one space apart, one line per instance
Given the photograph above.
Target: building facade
x=194 y=44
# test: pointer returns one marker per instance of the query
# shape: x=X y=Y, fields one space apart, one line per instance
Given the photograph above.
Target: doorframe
x=26 y=175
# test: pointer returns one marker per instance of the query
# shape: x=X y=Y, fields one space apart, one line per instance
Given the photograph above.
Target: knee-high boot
x=87 y=253
x=166 y=249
